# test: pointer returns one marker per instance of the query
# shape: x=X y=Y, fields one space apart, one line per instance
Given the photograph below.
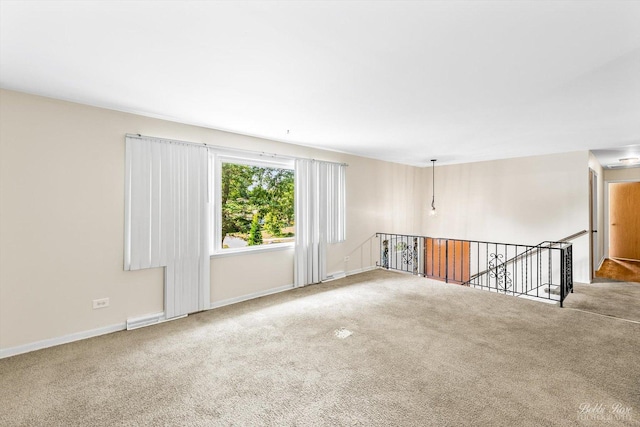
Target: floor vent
x=342 y=333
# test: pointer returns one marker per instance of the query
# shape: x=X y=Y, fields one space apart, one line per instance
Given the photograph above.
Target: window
x=254 y=204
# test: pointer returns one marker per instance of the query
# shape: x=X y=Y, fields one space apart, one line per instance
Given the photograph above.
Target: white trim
x=334 y=276
x=594 y=203
x=65 y=339
x=248 y=250
x=250 y=159
x=342 y=274
x=362 y=270
x=229 y=301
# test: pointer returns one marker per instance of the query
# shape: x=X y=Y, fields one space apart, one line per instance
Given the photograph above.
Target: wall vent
x=140 y=322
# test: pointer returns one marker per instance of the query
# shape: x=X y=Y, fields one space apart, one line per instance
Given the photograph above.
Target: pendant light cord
x=433 y=184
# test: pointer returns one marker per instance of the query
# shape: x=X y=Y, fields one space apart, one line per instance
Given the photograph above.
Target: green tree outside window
x=257 y=203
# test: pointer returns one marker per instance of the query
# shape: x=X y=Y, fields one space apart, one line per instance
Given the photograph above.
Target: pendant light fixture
x=433 y=211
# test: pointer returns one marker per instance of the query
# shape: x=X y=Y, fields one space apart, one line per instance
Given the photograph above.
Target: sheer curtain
x=320 y=216
x=167 y=220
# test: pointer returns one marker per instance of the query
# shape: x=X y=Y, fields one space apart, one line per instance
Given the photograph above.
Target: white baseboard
x=334 y=276
x=361 y=270
x=51 y=342
x=242 y=298
x=341 y=274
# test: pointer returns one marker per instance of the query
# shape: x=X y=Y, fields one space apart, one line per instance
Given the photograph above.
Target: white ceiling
x=459 y=81
x=614 y=158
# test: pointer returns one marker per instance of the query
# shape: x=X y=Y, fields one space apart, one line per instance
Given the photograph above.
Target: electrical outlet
x=100 y=303
x=346 y=258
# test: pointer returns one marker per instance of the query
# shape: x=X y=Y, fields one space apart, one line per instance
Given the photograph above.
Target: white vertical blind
x=307 y=248
x=336 y=200
x=167 y=220
x=320 y=216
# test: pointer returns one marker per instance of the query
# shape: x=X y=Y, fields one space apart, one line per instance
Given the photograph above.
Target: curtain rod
x=222 y=148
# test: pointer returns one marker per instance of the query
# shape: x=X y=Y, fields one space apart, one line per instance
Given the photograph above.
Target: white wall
x=62 y=216
x=522 y=200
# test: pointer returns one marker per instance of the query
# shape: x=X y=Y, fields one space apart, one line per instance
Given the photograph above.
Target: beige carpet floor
x=616 y=299
x=421 y=353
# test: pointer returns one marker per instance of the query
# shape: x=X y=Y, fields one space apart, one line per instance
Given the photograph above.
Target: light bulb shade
x=433 y=212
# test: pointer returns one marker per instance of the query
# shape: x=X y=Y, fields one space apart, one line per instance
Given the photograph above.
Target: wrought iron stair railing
x=544 y=271
x=538 y=272
x=542 y=246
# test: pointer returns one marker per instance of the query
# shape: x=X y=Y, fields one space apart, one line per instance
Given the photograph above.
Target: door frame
x=606 y=211
x=593 y=224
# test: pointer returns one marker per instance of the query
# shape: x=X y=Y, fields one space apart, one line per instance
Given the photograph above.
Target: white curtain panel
x=320 y=217
x=166 y=218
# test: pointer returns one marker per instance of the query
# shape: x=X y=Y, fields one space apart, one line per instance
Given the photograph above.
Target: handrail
x=556 y=243
x=574 y=236
x=533 y=248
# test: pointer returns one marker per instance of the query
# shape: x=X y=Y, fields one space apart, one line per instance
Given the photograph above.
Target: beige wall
x=627 y=174
x=234 y=276
x=62 y=216
x=522 y=200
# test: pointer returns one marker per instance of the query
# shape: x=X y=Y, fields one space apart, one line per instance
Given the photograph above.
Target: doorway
x=624 y=220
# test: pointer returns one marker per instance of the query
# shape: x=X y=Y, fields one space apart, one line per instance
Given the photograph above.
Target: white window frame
x=217 y=159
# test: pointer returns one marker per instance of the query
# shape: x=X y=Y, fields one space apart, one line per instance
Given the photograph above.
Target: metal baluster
x=550 y=278
x=515 y=269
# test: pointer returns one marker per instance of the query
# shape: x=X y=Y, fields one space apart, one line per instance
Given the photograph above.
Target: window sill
x=252 y=250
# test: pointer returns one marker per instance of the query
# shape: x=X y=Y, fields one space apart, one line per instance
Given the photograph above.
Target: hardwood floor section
x=619 y=269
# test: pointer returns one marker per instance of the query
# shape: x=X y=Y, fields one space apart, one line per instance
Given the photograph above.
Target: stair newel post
x=563 y=275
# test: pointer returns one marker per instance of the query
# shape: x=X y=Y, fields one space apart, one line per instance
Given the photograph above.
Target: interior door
x=624 y=220
x=435 y=258
x=446 y=260
x=458 y=261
